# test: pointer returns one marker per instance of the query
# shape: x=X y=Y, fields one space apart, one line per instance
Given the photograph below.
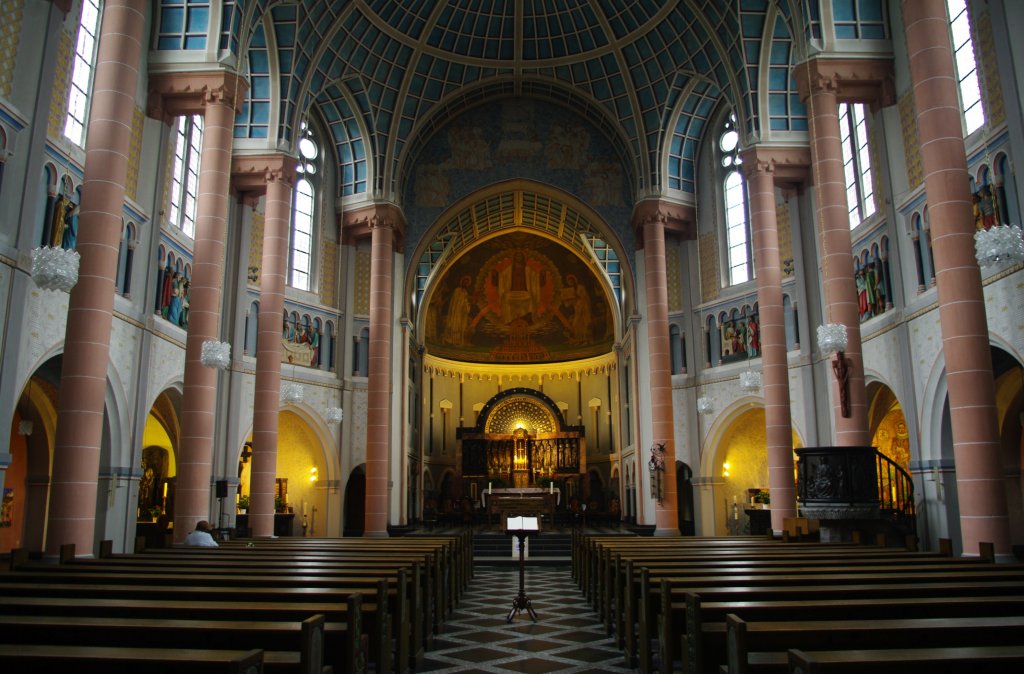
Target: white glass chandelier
x=55 y=268
x=1002 y=243
x=832 y=338
x=291 y=393
x=216 y=354
x=334 y=415
x=750 y=380
x=705 y=405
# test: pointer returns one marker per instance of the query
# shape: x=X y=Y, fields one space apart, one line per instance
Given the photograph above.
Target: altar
x=520 y=501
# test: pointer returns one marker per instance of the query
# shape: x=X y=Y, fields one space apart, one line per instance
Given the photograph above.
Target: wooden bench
x=771 y=639
x=680 y=619
x=29 y=659
x=288 y=646
x=938 y=660
x=344 y=629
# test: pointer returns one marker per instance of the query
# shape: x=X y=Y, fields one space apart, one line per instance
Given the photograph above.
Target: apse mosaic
x=518 y=298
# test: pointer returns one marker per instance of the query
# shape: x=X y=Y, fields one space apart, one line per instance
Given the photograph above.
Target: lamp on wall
x=657 y=468
x=1002 y=243
x=705 y=405
x=750 y=381
x=215 y=354
x=291 y=393
x=832 y=339
x=55 y=268
x=334 y=415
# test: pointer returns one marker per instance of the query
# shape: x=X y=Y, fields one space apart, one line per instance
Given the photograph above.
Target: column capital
x=176 y=94
x=852 y=80
x=250 y=174
x=788 y=166
x=359 y=223
x=675 y=217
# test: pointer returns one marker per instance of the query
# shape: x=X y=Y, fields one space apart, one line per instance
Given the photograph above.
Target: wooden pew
x=938 y=660
x=771 y=639
x=21 y=659
x=344 y=632
x=288 y=646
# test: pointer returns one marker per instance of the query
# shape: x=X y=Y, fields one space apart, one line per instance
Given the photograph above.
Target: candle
x=303 y=508
x=490 y=488
x=551 y=487
x=165 y=490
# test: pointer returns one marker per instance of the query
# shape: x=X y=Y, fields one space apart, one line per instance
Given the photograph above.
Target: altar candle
x=165 y=490
x=490 y=489
x=303 y=508
x=551 y=487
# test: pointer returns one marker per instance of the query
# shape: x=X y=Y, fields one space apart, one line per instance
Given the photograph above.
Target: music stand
x=521 y=527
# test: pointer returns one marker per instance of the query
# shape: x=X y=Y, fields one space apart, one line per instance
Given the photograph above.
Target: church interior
x=360 y=270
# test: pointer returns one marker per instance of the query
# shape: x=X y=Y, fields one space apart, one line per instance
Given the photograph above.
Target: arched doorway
x=1009 y=379
x=355 y=502
x=26 y=491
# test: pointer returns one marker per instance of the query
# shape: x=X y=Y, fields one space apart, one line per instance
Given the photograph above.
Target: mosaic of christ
x=518 y=298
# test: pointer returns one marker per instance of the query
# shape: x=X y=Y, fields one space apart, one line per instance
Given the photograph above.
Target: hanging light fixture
x=1002 y=243
x=750 y=380
x=334 y=415
x=705 y=405
x=55 y=268
x=215 y=354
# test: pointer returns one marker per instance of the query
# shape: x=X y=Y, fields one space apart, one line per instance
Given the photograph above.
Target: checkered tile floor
x=566 y=637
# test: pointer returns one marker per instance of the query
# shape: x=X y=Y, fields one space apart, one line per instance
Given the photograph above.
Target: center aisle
x=566 y=637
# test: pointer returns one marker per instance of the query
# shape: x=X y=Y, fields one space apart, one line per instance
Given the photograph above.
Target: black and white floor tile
x=567 y=636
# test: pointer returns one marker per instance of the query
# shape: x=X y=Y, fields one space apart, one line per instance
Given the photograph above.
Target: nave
x=567 y=637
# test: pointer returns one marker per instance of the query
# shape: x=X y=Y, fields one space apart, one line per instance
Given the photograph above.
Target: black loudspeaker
x=222 y=488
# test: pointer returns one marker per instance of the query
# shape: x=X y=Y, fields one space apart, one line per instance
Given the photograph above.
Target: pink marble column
x=80 y=407
x=964 y=325
x=215 y=96
x=660 y=361
x=821 y=81
x=274 y=175
x=760 y=167
x=384 y=225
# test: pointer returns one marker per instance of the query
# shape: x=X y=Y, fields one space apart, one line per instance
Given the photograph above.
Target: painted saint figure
x=457 y=322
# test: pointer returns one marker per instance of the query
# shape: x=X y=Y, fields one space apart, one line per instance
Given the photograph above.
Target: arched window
x=860 y=192
x=188 y=146
x=737 y=227
x=300 y=257
x=81 y=73
x=966 y=66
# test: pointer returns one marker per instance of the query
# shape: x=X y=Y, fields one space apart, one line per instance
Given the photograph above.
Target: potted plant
x=243 y=504
x=279 y=505
x=763 y=497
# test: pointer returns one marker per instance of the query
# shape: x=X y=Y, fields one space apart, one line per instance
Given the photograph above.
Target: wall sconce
x=832 y=339
x=705 y=405
x=25 y=427
x=657 y=468
x=725 y=469
x=254 y=274
x=314 y=475
x=788 y=267
x=750 y=381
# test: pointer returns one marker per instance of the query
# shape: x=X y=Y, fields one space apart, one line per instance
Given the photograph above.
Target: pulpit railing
x=895 y=493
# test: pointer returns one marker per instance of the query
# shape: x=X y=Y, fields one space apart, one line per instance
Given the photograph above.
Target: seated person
x=201 y=537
